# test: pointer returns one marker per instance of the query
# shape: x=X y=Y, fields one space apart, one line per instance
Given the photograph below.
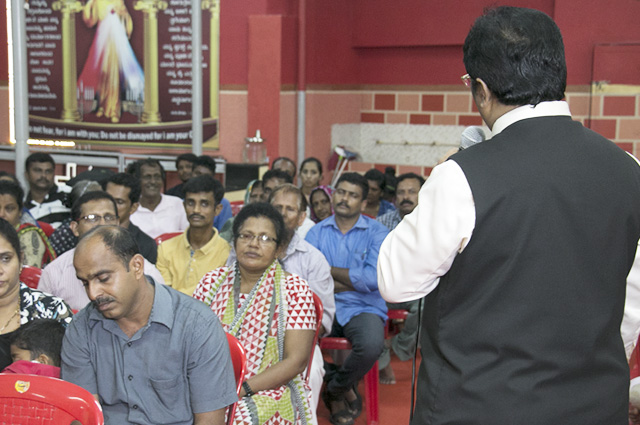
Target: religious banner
x=119 y=71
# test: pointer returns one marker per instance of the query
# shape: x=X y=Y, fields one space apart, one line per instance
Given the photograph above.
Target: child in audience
x=35 y=348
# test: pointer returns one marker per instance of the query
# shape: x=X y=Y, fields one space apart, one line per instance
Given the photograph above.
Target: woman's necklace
x=10 y=318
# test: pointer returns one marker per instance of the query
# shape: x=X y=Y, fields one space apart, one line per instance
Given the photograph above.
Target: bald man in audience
x=149 y=354
x=93 y=209
x=183 y=260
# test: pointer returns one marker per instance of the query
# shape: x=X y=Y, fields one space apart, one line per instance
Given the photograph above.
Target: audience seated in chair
x=204 y=164
x=20 y=304
x=93 y=209
x=33 y=241
x=351 y=242
x=274 y=390
x=125 y=189
x=148 y=353
x=35 y=348
x=158 y=213
x=63 y=239
x=300 y=257
x=183 y=260
x=184 y=165
x=45 y=200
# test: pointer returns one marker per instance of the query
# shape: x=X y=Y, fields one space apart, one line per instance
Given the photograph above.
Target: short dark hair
x=377 y=176
x=519 y=54
x=276 y=174
x=189 y=157
x=312 y=159
x=261 y=209
x=12 y=189
x=284 y=158
x=11 y=176
x=96 y=195
x=39 y=157
x=204 y=183
x=405 y=176
x=126 y=180
x=11 y=235
x=41 y=336
x=136 y=167
x=291 y=188
x=117 y=239
x=357 y=179
x=205 y=161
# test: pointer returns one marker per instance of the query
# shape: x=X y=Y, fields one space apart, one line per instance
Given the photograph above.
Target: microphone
x=472 y=136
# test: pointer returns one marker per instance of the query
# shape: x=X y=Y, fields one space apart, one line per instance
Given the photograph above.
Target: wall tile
x=619 y=106
x=366 y=100
x=403 y=169
x=382 y=167
x=579 y=104
x=397 y=118
x=626 y=147
x=469 y=120
x=606 y=128
x=444 y=119
x=408 y=102
x=427 y=171
x=433 y=102
x=458 y=103
x=385 y=102
x=420 y=119
x=629 y=128
x=360 y=167
x=372 y=117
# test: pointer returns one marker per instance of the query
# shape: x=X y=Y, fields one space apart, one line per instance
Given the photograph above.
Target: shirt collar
x=543 y=109
x=207 y=248
x=361 y=223
x=295 y=245
x=161 y=310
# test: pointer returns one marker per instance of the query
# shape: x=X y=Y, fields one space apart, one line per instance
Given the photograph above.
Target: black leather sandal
x=342 y=417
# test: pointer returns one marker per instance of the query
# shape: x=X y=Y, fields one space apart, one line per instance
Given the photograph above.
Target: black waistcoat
x=525 y=327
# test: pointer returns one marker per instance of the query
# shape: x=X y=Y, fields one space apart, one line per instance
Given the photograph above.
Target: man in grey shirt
x=149 y=354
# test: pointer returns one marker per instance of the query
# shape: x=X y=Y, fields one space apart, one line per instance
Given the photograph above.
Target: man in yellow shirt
x=183 y=260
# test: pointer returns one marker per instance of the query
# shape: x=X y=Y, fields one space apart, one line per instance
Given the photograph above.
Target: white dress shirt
x=169 y=216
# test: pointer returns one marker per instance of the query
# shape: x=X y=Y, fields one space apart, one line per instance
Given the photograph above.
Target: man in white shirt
x=91 y=210
x=522 y=244
x=158 y=213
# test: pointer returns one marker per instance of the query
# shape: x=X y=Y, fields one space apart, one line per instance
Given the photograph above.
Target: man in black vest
x=522 y=244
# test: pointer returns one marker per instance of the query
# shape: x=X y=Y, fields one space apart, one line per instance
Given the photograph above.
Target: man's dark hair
x=126 y=180
x=314 y=160
x=284 y=158
x=261 y=209
x=405 y=176
x=189 y=157
x=11 y=176
x=205 y=161
x=205 y=183
x=39 y=157
x=277 y=174
x=357 y=179
x=377 y=176
x=96 y=195
x=117 y=239
x=519 y=54
x=8 y=232
x=136 y=167
x=40 y=336
x=12 y=189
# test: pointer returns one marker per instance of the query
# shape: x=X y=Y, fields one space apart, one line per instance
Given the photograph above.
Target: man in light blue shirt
x=350 y=242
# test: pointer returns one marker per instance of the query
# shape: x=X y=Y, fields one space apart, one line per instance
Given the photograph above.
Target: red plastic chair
x=33 y=399
x=166 y=236
x=370 y=379
x=239 y=360
x=236 y=206
x=30 y=276
x=46 y=228
x=317 y=303
x=634 y=362
x=394 y=315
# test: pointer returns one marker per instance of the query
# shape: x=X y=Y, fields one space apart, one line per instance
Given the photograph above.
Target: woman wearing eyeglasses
x=271 y=313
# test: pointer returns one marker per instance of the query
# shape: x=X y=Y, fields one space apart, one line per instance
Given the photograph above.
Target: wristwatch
x=247 y=389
